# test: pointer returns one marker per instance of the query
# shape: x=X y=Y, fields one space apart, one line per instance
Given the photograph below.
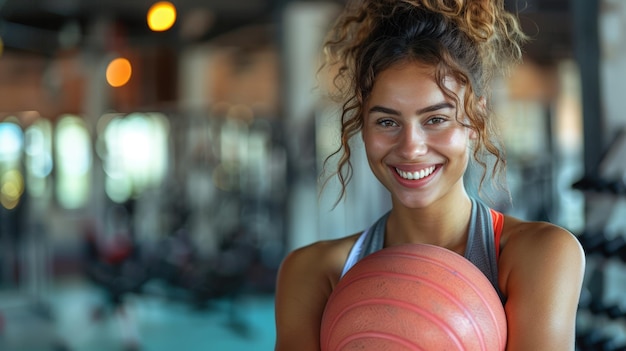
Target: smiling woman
x=408 y=140
x=413 y=78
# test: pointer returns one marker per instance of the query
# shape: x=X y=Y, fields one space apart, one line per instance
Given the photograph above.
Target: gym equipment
x=599 y=244
x=604 y=188
x=414 y=297
x=597 y=340
x=610 y=175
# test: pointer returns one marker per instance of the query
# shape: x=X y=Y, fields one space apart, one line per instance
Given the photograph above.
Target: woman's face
x=414 y=144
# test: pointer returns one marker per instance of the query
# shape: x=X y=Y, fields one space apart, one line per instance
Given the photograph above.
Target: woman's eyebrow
x=435 y=107
x=431 y=108
x=385 y=110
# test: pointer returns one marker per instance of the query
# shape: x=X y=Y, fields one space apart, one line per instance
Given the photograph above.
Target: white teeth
x=416 y=175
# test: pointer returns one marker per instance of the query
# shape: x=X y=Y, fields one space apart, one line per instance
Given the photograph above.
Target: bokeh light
x=74 y=162
x=11 y=188
x=11 y=142
x=118 y=72
x=134 y=153
x=11 y=180
x=161 y=16
x=38 y=160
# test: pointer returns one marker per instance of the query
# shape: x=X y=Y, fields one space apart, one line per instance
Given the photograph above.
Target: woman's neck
x=444 y=223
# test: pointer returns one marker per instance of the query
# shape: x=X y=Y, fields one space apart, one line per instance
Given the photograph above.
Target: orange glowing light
x=161 y=16
x=118 y=72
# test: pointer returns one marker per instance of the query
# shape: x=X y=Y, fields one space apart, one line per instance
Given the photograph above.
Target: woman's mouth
x=422 y=173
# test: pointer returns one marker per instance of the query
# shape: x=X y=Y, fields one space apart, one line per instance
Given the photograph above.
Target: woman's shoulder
x=324 y=257
x=527 y=244
x=524 y=232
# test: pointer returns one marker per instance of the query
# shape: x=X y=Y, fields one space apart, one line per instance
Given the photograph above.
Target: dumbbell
x=592 y=242
x=594 y=340
x=613 y=311
x=615 y=247
x=596 y=243
x=621 y=347
x=616 y=311
x=617 y=187
x=597 y=184
x=587 y=182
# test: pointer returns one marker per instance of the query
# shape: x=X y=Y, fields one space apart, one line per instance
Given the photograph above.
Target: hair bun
x=495 y=31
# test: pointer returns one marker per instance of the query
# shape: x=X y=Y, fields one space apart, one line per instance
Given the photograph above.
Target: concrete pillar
x=312 y=121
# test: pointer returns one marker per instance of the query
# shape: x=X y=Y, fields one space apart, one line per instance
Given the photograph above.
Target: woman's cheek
x=457 y=137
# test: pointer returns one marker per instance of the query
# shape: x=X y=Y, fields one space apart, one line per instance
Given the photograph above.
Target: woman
x=414 y=77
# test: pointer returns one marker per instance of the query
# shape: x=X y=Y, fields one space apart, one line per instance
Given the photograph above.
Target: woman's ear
x=482 y=103
x=473 y=134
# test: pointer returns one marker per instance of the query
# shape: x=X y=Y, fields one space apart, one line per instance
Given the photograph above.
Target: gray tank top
x=480 y=250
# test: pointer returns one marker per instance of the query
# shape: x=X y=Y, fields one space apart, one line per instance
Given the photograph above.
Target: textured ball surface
x=414 y=297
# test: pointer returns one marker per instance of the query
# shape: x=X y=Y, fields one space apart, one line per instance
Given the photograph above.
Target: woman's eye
x=386 y=123
x=436 y=120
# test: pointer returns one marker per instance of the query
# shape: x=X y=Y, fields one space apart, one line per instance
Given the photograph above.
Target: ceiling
x=37 y=25
x=549 y=24
x=40 y=26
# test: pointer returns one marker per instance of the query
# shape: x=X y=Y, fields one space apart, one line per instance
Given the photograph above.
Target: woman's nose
x=412 y=143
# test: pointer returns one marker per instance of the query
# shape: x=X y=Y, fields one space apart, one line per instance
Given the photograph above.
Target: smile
x=416 y=175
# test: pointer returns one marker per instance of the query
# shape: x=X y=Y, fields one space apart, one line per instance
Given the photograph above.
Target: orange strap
x=498 y=222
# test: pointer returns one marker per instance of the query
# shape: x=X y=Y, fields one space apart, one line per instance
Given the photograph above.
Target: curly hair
x=469 y=40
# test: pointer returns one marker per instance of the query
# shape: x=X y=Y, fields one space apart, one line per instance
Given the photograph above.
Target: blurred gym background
x=157 y=163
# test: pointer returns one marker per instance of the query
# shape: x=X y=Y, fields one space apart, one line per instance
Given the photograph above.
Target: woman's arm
x=541 y=270
x=302 y=289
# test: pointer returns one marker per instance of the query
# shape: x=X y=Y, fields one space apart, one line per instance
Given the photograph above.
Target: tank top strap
x=498 y=224
x=371 y=240
x=481 y=247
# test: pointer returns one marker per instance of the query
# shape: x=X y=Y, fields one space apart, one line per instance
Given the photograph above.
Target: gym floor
x=72 y=315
